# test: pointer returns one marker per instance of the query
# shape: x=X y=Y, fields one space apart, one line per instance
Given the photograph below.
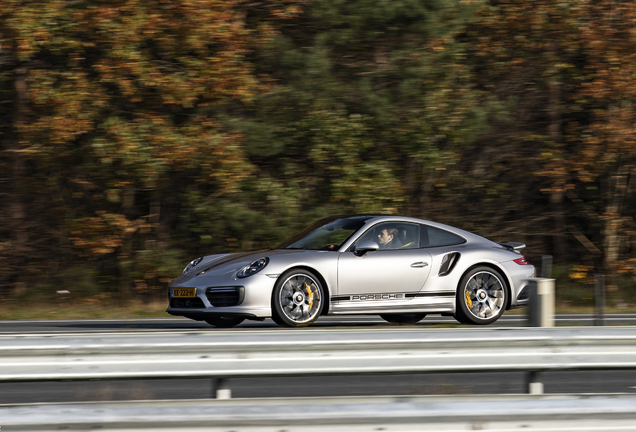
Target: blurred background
x=136 y=135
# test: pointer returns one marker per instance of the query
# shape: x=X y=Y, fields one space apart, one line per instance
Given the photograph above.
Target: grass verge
x=84 y=310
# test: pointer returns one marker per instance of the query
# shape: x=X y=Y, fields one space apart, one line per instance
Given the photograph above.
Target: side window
x=432 y=237
x=393 y=235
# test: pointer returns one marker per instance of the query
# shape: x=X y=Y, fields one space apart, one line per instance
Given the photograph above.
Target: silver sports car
x=397 y=267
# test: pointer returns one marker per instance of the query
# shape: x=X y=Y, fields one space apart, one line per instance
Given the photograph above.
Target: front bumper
x=237 y=311
x=248 y=298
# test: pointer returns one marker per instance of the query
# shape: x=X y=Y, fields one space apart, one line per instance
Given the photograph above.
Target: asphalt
x=180 y=324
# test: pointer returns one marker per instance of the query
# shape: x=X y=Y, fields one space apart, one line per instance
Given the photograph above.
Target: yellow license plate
x=184 y=292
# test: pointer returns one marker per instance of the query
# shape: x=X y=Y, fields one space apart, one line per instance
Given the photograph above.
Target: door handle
x=419 y=264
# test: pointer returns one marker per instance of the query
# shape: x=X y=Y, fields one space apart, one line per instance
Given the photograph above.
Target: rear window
x=435 y=237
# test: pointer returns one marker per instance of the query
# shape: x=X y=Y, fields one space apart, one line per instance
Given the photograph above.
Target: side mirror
x=366 y=246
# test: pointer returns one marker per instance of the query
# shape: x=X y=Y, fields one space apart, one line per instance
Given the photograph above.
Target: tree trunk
x=411 y=186
x=17 y=210
x=125 y=256
x=554 y=132
x=616 y=192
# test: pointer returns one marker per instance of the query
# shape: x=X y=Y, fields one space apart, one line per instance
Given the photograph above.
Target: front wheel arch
x=289 y=298
x=323 y=282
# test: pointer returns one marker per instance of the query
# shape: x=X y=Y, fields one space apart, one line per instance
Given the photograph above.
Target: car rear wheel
x=404 y=318
x=297 y=299
x=481 y=297
x=224 y=321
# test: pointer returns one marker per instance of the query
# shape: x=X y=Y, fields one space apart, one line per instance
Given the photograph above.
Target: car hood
x=220 y=264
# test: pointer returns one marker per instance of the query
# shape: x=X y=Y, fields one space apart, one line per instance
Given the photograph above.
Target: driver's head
x=386 y=235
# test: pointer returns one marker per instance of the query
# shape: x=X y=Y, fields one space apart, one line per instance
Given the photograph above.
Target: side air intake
x=448 y=263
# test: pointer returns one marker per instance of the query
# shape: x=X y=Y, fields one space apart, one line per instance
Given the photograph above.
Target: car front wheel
x=481 y=297
x=297 y=299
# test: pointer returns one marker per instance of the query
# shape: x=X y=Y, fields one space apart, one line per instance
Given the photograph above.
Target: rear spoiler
x=512 y=246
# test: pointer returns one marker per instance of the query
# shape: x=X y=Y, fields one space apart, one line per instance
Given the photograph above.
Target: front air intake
x=225 y=296
x=187 y=303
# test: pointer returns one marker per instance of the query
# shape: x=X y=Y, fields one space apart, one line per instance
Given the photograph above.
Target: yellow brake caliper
x=469 y=302
x=310 y=296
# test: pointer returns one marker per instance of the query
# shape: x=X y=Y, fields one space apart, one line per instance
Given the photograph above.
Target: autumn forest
x=136 y=135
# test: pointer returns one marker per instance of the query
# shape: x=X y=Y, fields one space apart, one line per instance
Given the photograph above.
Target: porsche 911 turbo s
x=400 y=268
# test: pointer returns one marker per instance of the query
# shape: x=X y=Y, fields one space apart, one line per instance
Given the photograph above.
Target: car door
x=404 y=269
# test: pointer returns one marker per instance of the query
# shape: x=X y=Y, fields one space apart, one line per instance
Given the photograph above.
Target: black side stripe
x=432 y=294
x=407 y=295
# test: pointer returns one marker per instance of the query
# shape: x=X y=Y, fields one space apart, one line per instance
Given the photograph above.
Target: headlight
x=192 y=264
x=253 y=268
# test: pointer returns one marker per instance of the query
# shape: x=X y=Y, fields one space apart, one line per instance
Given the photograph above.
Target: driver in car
x=388 y=239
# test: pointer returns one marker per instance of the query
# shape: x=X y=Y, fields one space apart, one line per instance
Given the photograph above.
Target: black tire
x=297 y=299
x=481 y=296
x=462 y=319
x=222 y=321
x=403 y=318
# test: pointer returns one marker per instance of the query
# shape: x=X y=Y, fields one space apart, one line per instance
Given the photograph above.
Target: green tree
x=371 y=101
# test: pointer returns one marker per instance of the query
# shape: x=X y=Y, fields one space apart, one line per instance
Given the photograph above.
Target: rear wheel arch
x=496 y=268
x=484 y=292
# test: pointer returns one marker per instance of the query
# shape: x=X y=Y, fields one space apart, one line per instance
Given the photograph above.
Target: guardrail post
x=540 y=314
x=546 y=266
x=534 y=385
x=541 y=302
x=220 y=389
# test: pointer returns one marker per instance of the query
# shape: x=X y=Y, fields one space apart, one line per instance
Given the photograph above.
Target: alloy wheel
x=299 y=299
x=484 y=295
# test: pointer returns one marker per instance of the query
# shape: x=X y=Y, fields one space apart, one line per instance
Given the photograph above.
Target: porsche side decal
x=391 y=296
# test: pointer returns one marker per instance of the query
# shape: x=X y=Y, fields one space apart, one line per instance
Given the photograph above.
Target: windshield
x=326 y=234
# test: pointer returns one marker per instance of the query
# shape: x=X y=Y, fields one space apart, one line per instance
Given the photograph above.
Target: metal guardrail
x=227 y=354
x=313 y=352
x=548 y=413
